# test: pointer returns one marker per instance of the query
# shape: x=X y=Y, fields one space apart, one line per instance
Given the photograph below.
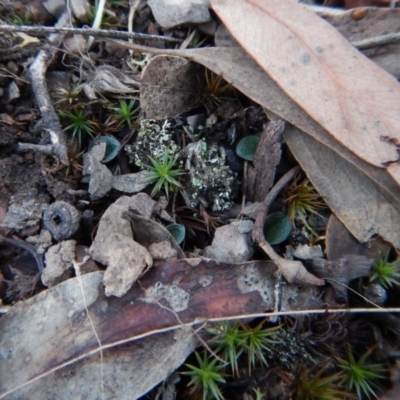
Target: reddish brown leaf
x=51 y=330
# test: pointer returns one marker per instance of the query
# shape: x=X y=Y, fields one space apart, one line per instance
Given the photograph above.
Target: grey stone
x=54 y=7
x=306 y=252
x=229 y=245
x=101 y=177
x=25 y=210
x=114 y=247
x=162 y=251
x=171 y=13
x=58 y=261
x=129 y=183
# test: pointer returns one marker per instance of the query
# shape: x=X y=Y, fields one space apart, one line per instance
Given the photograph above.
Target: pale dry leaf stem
x=133 y=6
x=97 y=21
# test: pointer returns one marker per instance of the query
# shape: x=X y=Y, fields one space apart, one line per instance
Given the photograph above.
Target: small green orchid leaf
x=277 y=228
x=177 y=231
x=246 y=148
x=112 y=147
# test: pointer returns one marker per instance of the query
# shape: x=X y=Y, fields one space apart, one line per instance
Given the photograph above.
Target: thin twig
x=50 y=119
x=86 y=31
x=293 y=271
x=258 y=233
x=391 y=38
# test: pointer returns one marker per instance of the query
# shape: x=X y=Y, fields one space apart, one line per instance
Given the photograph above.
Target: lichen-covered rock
x=153 y=140
x=210 y=181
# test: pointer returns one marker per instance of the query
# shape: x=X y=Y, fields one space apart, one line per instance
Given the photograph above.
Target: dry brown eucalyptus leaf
x=347 y=94
x=169 y=86
x=341 y=272
x=108 y=80
x=356 y=200
x=340 y=242
x=364 y=22
x=369 y=22
x=171 y=293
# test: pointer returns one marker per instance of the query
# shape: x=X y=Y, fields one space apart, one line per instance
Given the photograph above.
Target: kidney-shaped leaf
x=277 y=228
x=246 y=148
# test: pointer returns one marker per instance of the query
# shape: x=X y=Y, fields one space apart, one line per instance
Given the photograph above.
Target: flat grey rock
x=171 y=13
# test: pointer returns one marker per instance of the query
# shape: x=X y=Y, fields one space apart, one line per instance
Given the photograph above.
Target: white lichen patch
x=194 y=262
x=250 y=280
x=177 y=298
x=205 y=280
x=210 y=181
x=153 y=141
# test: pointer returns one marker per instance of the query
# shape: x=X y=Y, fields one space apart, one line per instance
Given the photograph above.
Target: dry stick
x=133 y=6
x=49 y=116
x=87 y=31
x=293 y=271
x=391 y=38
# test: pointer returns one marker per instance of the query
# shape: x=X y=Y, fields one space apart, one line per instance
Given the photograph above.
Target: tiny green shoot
x=385 y=273
x=163 y=174
x=316 y=385
x=126 y=113
x=230 y=343
x=206 y=376
x=68 y=94
x=79 y=124
x=258 y=341
x=359 y=375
